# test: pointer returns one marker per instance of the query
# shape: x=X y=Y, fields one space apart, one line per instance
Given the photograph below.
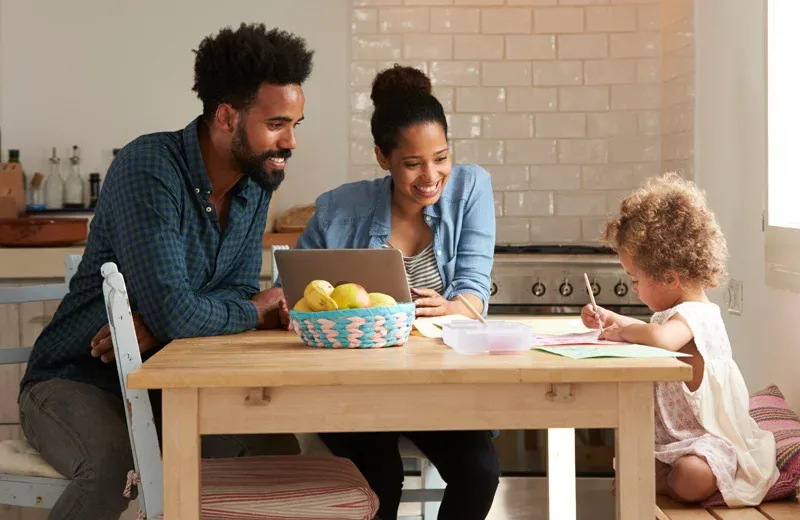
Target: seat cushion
x=770 y=411
x=17 y=457
x=285 y=487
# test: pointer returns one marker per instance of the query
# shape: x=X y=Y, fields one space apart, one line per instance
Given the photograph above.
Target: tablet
x=377 y=270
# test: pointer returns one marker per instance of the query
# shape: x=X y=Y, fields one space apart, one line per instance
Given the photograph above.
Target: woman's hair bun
x=397 y=82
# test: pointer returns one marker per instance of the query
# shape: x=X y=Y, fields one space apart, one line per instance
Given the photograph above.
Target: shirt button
x=197 y=190
x=439 y=252
x=208 y=209
x=427 y=218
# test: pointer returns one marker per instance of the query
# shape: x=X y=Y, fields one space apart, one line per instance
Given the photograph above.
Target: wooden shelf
x=279 y=239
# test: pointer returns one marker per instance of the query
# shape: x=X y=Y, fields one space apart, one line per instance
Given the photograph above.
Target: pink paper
x=577 y=338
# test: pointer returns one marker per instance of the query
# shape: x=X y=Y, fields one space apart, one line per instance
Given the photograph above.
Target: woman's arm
x=475 y=250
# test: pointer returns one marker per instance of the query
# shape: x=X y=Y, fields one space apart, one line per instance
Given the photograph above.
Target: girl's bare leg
x=690 y=479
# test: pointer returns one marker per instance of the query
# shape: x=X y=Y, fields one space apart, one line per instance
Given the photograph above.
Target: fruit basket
x=361 y=321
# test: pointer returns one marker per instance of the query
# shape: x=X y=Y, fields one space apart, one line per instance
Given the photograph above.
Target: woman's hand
x=431 y=303
x=595 y=320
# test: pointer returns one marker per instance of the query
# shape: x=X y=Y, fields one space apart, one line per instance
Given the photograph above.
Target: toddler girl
x=672 y=248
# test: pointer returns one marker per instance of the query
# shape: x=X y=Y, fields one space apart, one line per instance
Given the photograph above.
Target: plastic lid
x=93 y=176
x=13 y=154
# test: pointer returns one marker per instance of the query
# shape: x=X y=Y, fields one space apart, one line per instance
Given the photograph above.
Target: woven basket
x=373 y=327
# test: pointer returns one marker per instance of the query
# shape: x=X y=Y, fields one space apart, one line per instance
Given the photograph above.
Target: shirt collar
x=382 y=218
x=197 y=167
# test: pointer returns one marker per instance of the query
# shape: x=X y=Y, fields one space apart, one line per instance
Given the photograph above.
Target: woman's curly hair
x=667 y=228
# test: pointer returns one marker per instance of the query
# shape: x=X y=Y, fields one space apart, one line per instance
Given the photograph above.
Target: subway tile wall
x=560 y=100
x=677 y=93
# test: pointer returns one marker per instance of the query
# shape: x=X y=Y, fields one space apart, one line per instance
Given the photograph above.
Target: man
x=182 y=214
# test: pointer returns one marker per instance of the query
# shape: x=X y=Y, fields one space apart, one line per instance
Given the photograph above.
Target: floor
x=525 y=498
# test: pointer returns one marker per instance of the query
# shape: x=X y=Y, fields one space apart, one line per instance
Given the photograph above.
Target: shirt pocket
x=449 y=269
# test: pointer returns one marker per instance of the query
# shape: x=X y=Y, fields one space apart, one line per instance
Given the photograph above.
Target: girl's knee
x=692 y=479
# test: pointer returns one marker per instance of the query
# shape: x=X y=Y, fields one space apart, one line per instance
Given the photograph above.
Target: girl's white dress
x=714 y=421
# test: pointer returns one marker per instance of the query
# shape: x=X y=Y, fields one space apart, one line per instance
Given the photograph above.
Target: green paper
x=612 y=351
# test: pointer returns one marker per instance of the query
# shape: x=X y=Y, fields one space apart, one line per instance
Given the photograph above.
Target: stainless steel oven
x=541 y=280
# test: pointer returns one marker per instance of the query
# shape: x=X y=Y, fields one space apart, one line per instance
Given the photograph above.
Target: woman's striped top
x=422 y=271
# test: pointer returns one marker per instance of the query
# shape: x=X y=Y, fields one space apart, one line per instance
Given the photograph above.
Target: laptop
x=377 y=270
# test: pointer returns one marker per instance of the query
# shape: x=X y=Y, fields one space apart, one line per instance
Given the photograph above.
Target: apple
x=351 y=296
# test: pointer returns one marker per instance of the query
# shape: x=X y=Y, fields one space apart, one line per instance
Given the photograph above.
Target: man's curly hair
x=667 y=228
x=231 y=66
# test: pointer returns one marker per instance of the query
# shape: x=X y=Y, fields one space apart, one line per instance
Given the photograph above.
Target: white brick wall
x=559 y=100
x=677 y=93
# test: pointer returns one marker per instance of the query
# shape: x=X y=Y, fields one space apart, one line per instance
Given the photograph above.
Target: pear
x=381 y=300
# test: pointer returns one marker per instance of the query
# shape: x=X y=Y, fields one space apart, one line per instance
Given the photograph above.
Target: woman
x=441 y=217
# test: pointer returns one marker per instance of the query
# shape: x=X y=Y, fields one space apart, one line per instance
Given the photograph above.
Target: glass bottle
x=73 y=186
x=13 y=157
x=94 y=189
x=54 y=185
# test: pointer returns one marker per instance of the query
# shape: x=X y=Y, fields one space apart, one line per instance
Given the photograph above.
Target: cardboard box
x=12 y=184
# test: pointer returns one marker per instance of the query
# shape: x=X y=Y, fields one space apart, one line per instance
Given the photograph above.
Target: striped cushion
x=284 y=488
x=769 y=409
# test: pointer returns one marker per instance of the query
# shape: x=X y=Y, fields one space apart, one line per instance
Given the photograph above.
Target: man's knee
x=692 y=479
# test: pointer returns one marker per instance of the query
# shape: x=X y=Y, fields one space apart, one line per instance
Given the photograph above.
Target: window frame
x=781 y=244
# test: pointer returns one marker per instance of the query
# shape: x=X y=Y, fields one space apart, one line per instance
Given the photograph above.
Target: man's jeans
x=81 y=431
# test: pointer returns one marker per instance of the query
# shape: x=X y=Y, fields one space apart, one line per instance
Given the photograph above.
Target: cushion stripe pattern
x=284 y=488
x=770 y=411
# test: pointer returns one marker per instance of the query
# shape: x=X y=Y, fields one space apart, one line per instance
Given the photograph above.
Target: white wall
x=99 y=73
x=730 y=150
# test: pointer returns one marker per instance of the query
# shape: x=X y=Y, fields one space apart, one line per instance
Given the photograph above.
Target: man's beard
x=252 y=165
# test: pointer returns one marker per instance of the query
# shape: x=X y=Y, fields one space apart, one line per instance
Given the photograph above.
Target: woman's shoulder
x=351 y=198
x=467 y=181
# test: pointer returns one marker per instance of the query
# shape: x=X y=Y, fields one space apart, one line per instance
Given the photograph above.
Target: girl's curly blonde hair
x=668 y=228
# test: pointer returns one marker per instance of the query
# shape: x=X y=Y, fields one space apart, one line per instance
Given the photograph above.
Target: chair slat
x=33 y=293
x=746 y=513
x=677 y=511
x=15 y=356
x=787 y=510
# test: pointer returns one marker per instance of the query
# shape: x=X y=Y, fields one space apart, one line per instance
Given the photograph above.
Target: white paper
x=431 y=327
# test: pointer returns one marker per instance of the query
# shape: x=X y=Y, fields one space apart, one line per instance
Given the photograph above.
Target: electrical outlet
x=735 y=297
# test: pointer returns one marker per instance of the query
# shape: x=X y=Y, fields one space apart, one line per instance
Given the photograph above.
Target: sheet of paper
x=575 y=338
x=619 y=351
x=432 y=327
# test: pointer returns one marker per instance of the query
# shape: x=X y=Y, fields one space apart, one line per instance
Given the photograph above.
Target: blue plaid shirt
x=186 y=279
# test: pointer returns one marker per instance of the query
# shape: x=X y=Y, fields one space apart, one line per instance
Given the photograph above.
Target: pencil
x=591 y=297
x=472 y=309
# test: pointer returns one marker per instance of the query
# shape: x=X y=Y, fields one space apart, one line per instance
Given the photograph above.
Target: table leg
x=635 y=466
x=181 y=448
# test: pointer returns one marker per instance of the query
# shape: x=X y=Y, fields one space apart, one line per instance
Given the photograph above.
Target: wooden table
x=269 y=382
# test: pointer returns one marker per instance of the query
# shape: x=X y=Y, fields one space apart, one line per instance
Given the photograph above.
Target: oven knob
x=595 y=288
x=538 y=289
x=621 y=289
x=565 y=289
x=493 y=290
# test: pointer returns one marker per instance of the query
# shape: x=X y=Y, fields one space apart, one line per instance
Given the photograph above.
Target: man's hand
x=103 y=348
x=273 y=312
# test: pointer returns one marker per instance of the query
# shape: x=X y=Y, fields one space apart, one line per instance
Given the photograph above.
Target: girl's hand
x=595 y=320
x=431 y=303
x=611 y=333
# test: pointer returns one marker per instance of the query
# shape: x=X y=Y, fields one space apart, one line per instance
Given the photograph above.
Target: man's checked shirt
x=155 y=221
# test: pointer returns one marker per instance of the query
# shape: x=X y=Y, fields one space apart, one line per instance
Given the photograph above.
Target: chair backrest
x=35 y=293
x=138 y=411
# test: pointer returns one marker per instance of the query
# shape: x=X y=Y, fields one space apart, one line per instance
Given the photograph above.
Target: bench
x=668 y=509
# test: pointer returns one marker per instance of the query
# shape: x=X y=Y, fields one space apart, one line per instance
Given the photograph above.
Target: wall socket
x=735 y=297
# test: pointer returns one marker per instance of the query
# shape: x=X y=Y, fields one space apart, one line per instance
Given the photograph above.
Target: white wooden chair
x=326 y=483
x=26 y=480
x=432 y=491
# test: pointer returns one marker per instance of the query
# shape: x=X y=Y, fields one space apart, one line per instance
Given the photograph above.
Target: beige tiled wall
x=677 y=95
x=558 y=99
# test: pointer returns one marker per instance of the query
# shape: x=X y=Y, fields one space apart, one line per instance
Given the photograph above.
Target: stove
x=548 y=280
x=542 y=279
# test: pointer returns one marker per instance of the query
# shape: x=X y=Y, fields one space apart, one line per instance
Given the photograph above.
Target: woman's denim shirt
x=357 y=215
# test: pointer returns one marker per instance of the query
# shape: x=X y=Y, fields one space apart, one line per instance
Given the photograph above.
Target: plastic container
x=496 y=337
